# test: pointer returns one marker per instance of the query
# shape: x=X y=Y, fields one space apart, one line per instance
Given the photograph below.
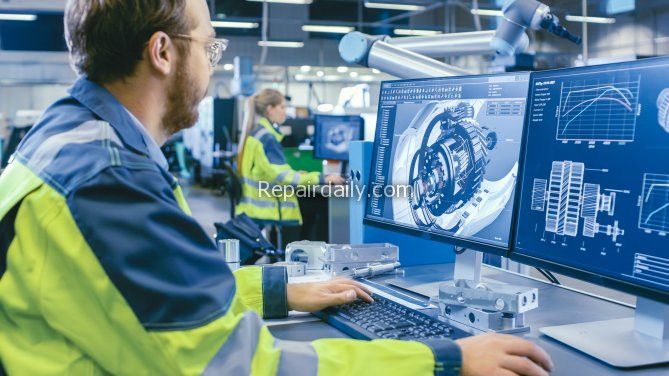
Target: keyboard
x=386 y=319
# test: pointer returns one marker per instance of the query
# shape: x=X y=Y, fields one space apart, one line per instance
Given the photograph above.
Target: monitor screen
x=595 y=192
x=333 y=135
x=296 y=131
x=445 y=158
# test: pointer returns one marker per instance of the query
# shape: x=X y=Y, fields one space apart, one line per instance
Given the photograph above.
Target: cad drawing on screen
x=663 y=109
x=567 y=199
x=442 y=156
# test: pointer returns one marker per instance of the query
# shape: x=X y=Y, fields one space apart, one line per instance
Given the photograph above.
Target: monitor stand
x=633 y=342
x=426 y=283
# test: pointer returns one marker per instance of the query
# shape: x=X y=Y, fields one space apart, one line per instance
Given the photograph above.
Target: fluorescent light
x=305 y=68
x=487 y=12
x=353 y=74
x=300 y=77
x=228 y=67
x=342 y=69
x=325 y=107
x=17 y=17
x=327 y=29
x=376 y=71
x=320 y=73
x=285 y=1
x=415 y=32
x=394 y=6
x=331 y=77
x=235 y=24
x=275 y=43
x=367 y=78
x=599 y=20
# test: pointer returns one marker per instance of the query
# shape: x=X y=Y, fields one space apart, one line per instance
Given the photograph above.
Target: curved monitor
x=446 y=158
x=594 y=200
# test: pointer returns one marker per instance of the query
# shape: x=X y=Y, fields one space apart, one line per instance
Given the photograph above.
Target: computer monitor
x=595 y=190
x=295 y=131
x=445 y=159
x=333 y=135
x=594 y=197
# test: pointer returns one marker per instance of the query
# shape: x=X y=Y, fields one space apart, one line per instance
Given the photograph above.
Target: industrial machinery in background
x=412 y=57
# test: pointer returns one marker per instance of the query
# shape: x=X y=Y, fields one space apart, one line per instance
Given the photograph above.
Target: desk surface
x=557 y=306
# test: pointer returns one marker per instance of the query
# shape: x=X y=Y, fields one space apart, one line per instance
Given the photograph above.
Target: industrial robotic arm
x=412 y=57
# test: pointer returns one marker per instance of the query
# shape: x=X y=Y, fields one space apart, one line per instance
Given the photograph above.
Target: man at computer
x=102 y=269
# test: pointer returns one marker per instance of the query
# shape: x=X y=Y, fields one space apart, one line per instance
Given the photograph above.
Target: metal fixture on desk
x=485 y=306
x=344 y=259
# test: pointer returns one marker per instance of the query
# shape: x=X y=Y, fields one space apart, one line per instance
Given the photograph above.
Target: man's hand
x=311 y=297
x=503 y=355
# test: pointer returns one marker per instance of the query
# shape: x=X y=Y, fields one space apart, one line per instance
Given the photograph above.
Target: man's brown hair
x=106 y=38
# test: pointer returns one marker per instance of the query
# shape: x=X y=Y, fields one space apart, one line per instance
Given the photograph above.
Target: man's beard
x=182 y=103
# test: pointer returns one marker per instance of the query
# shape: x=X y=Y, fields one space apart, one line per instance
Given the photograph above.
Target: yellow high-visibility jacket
x=264 y=166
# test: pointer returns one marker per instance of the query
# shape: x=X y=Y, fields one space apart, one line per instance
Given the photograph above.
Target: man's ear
x=160 y=53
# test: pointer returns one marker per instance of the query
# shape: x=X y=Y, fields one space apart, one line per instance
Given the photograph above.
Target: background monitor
x=295 y=131
x=333 y=135
x=445 y=159
x=594 y=201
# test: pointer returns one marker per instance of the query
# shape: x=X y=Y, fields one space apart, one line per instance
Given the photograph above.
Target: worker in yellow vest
x=262 y=164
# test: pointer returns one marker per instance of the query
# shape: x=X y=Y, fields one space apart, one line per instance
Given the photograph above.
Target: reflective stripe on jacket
x=263 y=167
x=103 y=270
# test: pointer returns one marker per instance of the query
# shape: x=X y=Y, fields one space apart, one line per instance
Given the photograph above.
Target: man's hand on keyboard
x=311 y=297
x=499 y=354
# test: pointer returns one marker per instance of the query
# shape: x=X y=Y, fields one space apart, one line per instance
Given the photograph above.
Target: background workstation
x=584 y=200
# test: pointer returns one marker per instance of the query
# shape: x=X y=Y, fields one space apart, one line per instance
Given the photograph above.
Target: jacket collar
x=103 y=104
x=275 y=131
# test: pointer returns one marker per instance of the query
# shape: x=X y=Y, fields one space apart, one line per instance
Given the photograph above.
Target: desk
x=557 y=306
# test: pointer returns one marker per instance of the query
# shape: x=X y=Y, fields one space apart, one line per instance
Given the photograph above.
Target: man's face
x=189 y=83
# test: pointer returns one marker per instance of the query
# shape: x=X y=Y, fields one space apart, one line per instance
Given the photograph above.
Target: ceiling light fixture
x=599 y=20
x=235 y=24
x=281 y=44
x=303 y=2
x=487 y=12
x=17 y=17
x=416 y=32
x=393 y=6
x=327 y=29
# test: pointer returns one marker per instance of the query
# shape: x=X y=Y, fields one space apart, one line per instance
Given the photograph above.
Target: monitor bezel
x=499 y=250
x=317 y=131
x=572 y=271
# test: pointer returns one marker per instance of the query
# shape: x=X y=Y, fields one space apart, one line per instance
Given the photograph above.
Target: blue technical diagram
x=597 y=110
x=663 y=109
x=454 y=143
x=596 y=198
x=566 y=196
x=654 y=214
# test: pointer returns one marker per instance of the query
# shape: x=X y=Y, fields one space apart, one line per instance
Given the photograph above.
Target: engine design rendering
x=446 y=173
x=444 y=156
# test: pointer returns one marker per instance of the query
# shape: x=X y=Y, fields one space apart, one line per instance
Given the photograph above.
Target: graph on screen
x=654 y=215
x=597 y=110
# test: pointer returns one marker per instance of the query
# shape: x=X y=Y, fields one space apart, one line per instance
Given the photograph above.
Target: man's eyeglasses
x=214 y=47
